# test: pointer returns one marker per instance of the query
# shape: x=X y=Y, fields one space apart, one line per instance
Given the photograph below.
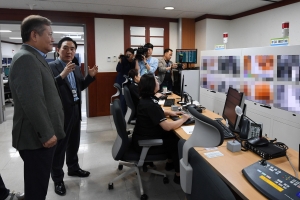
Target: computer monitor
x=234 y=98
x=186 y=56
x=182 y=91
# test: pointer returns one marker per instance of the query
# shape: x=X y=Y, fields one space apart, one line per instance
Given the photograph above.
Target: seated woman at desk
x=152 y=123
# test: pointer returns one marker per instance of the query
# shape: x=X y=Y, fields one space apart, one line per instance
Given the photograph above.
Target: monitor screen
x=234 y=98
x=186 y=55
x=9 y=60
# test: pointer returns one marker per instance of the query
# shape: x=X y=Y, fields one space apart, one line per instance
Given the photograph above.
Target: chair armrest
x=147 y=144
x=150 y=143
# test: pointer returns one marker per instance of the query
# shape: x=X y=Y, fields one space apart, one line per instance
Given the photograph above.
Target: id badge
x=74 y=93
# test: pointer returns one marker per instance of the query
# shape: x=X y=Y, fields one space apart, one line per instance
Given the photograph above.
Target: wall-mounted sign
x=220 y=46
x=279 y=41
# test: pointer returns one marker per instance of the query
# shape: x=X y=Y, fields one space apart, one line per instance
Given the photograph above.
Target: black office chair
x=119 y=91
x=7 y=94
x=123 y=151
x=130 y=114
x=198 y=180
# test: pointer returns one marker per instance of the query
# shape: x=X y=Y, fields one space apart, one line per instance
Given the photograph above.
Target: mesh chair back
x=121 y=143
x=129 y=103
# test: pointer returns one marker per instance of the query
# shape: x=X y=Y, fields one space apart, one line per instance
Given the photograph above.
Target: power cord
x=296 y=173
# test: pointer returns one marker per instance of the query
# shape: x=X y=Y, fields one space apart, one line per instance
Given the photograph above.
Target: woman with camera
x=152 y=123
x=126 y=63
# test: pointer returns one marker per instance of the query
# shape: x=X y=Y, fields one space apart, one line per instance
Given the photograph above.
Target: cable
x=296 y=173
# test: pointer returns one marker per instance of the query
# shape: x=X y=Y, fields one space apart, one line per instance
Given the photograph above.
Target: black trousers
x=67 y=147
x=4 y=192
x=168 y=84
x=170 y=146
x=37 y=166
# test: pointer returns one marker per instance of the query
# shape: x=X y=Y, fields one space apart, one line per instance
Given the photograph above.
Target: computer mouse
x=259 y=142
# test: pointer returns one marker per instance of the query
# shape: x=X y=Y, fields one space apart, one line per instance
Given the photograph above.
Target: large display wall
x=267 y=75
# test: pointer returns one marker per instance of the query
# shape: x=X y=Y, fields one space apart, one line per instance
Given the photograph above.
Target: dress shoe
x=79 y=173
x=176 y=179
x=15 y=196
x=59 y=188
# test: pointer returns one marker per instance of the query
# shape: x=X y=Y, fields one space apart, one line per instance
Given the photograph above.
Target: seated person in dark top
x=134 y=86
x=151 y=123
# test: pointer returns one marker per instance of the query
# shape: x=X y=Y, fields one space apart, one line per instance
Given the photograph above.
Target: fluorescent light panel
x=169 y=8
x=5 y=31
x=75 y=33
x=15 y=38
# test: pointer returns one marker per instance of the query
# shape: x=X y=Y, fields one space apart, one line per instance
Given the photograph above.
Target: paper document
x=211 y=148
x=188 y=129
x=213 y=154
x=161 y=102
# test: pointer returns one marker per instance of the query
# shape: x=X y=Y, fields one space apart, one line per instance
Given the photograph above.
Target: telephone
x=250 y=130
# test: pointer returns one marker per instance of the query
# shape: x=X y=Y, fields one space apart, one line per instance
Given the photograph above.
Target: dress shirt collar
x=42 y=54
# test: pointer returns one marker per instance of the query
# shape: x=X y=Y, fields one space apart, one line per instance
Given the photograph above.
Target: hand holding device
x=69 y=68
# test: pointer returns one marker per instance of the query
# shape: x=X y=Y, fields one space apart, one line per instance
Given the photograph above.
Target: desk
x=229 y=167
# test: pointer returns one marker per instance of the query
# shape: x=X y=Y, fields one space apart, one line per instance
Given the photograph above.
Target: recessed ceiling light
x=169 y=8
x=5 y=31
x=15 y=38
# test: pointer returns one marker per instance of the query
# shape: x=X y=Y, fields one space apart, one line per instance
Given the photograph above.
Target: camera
x=140 y=52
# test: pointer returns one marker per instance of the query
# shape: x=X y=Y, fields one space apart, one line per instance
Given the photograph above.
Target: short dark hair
x=130 y=50
x=167 y=50
x=149 y=45
x=147 y=85
x=133 y=73
x=33 y=23
x=66 y=39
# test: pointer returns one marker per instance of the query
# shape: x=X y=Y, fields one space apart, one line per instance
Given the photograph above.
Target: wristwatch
x=145 y=63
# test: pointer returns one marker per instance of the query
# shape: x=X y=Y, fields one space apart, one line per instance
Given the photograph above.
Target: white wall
x=257 y=30
x=173 y=39
x=109 y=42
x=251 y=31
x=214 y=32
x=7 y=48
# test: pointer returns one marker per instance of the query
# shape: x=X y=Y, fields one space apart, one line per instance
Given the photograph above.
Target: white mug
x=165 y=90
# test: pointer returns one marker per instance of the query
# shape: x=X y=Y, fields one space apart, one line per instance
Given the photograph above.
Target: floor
x=97 y=137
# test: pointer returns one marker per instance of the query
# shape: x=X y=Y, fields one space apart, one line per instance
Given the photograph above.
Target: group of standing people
x=47 y=108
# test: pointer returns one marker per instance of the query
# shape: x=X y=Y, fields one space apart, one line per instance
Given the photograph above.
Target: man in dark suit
x=38 y=112
x=71 y=83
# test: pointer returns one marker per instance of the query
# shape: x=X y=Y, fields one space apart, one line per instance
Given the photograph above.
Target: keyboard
x=169 y=102
x=271 y=181
x=226 y=131
x=187 y=122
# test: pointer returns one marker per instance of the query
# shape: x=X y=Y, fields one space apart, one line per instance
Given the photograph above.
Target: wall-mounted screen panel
x=258 y=78
x=220 y=73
